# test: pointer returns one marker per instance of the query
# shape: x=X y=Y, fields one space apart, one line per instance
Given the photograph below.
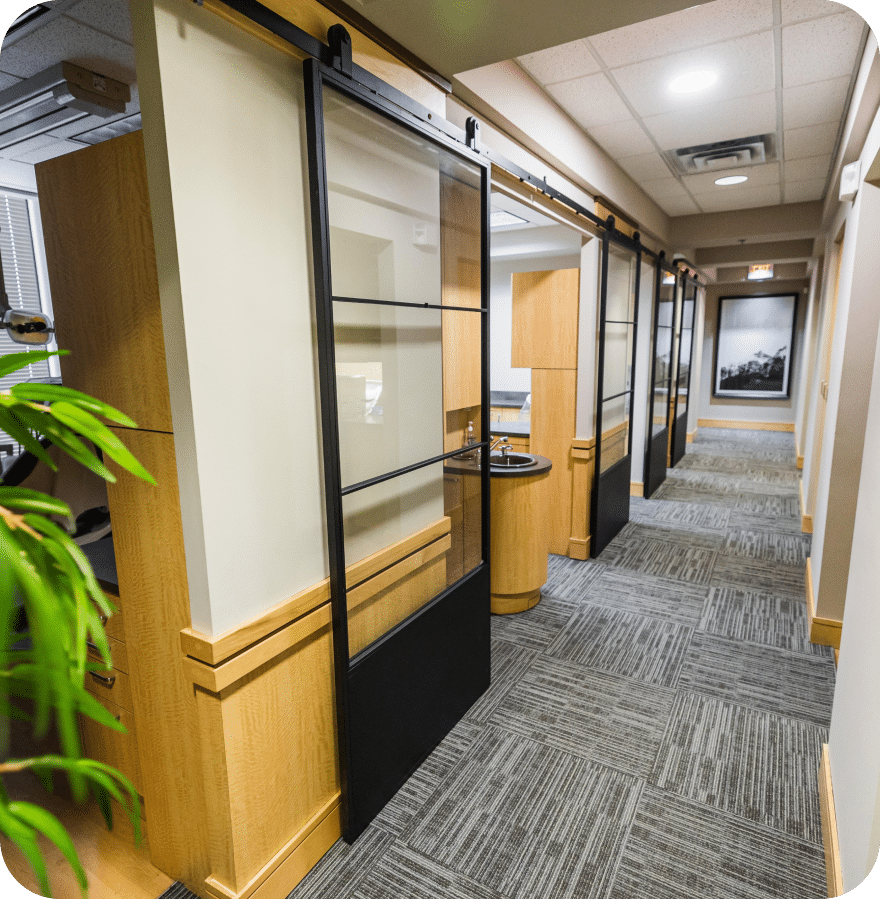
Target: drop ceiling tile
x=813 y=104
x=810 y=168
x=684 y=30
x=622 y=139
x=742 y=198
x=590 y=101
x=663 y=188
x=110 y=16
x=678 y=206
x=50 y=151
x=817 y=140
x=63 y=39
x=647 y=166
x=560 y=63
x=758 y=175
x=727 y=120
x=804 y=191
x=26 y=146
x=745 y=66
x=798 y=10
x=820 y=49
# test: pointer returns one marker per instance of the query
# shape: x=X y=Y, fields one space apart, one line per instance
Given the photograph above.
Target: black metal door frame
x=657 y=445
x=609 y=504
x=398 y=698
x=679 y=421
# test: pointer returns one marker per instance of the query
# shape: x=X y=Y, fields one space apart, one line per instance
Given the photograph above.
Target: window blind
x=22 y=287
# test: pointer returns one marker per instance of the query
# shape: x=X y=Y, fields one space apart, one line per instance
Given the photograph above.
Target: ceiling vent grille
x=724 y=154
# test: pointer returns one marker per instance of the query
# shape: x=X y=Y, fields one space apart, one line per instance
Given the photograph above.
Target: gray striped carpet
x=654 y=725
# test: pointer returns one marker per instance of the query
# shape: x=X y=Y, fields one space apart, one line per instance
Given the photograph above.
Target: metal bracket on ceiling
x=340 y=48
x=472 y=134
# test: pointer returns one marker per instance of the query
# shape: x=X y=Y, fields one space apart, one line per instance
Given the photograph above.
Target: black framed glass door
x=618 y=324
x=683 y=375
x=661 y=385
x=400 y=244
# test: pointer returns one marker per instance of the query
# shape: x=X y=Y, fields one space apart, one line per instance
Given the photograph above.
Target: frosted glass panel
x=389 y=381
x=386 y=188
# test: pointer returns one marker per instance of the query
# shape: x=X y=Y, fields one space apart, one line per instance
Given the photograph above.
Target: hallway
x=654 y=726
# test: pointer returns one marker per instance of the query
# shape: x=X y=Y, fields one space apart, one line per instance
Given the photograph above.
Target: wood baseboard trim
x=833 y=875
x=293 y=862
x=823 y=631
x=786 y=427
x=800 y=463
x=579 y=549
x=806 y=520
x=691 y=435
x=636 y=488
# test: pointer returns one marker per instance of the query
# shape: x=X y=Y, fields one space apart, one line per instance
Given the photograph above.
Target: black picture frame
x=754 y=346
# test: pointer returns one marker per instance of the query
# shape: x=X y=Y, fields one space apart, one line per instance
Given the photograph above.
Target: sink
x=511 y=460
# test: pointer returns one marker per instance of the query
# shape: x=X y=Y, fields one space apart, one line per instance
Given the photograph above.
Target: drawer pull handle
x=118 y=717
x=92 y=646
x=102 y=680
x=103 y=619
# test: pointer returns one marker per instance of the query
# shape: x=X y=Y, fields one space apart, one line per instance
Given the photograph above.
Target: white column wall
x=854 y=741
x=224 y=135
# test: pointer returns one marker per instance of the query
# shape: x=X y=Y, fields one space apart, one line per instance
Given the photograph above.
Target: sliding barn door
x=400 y=242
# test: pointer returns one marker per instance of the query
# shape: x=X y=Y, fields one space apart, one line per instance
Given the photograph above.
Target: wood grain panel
x=833 y=872
x=114 y=626
x=112 y=747
x=316 y=20
x=545 y=320
x=113 y=685
x=554 y=394
x=276 y=726
x=102 y=271
x=520 y=539
x=150 y=560
x=583 y=465
x=118 y=655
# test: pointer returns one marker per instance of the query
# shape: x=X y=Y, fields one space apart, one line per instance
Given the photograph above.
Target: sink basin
x=511 y=460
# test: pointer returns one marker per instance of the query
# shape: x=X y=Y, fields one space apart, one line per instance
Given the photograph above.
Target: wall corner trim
x=823 y=631
x=833 y=873
x=806 y=520
x=636 y=488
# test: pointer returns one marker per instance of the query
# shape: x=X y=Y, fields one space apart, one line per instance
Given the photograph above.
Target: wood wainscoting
x=833 y=874
x=583 y=460
x=267 y=720
x=823 y=631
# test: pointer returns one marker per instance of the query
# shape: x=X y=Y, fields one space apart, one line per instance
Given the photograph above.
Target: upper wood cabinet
x=545 y=319
x=102 y=271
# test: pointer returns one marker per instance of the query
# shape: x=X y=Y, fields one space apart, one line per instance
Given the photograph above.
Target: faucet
x=495 y=443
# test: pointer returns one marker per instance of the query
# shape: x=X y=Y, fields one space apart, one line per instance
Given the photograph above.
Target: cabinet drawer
x=111 y=685
x=113 y=625
x=112 y=747
x=118 y=654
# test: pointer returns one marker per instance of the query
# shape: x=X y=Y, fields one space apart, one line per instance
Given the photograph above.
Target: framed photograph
x=754 y=345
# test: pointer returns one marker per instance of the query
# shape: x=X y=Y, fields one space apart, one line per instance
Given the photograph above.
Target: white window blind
x=20 y=276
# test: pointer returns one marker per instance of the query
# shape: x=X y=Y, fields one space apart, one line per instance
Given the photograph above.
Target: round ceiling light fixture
x=691 y=82
x=731 y=179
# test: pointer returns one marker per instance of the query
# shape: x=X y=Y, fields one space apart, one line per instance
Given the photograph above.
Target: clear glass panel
x=405 y=540
x=618 y=359
x=661 y=407
x=620 y=299
x=684 y=365
x=615 y=431
x=687 y=317
x=663 y=354
x=404 y=213
x=389 y=377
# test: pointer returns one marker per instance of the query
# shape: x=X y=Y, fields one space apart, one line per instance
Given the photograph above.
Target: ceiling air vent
x=724 y=154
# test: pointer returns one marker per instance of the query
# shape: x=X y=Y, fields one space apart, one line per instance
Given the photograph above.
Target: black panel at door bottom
x=679 y=439
x=396 y=721
x=657 y=462
x=612 y=497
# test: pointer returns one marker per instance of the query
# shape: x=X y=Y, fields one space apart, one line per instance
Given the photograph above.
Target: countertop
x=467 y=466
x=510 y=428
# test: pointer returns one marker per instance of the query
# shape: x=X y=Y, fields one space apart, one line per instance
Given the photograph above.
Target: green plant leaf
x=20 y=434
x=54 y=393
x=25 y=838
x=48 y=825
x=15 y=361
x=86 y=424
x=20 y=499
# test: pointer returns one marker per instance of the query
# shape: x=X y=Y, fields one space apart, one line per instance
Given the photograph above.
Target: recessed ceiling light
x=731 y=179
x=760 y=272
x=691 y=82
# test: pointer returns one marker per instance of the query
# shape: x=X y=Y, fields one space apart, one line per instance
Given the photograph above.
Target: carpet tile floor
x=654 y=725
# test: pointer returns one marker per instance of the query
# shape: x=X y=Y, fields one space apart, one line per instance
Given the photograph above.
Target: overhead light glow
x=668 y=278
x=760 y=272
x=691 y=82
x=731 y=179
x=500 y=218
